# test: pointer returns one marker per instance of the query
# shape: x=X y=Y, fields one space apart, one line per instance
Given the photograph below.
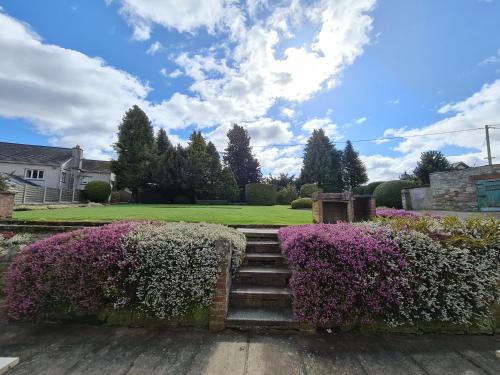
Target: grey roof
x=103 y=166
x=20 y=181
x=15 y=152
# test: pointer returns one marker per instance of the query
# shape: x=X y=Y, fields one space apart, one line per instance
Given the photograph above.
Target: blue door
x=488 y=195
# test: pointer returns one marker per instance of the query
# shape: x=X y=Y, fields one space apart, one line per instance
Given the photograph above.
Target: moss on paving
x=223 y=214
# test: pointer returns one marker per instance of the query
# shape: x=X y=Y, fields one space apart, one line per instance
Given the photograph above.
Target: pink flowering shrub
x=394 y=212
x=343 y=274
x=66 y=274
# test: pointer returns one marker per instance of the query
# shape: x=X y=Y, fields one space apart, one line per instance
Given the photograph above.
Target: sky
x=360 y=69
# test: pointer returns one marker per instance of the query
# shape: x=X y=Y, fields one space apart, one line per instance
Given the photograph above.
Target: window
x=86 y=179
x=34 y=174
x=63 y=177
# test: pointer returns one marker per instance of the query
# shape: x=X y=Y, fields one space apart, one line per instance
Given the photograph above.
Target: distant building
x=52 y=167
x=459 y=165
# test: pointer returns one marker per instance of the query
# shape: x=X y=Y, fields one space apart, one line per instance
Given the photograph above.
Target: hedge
x=286 y=195
x=260 y=194
x=302 y=203
x=412 y=271
x=97 y=191
x=367 y=189
x=160 y=270
x=388 y=194
x=307 y=190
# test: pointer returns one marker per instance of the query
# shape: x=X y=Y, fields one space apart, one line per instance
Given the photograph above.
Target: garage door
x=488 y=195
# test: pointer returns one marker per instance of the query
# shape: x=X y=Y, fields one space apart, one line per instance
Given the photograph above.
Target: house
x=52 y=167
x=459 y=165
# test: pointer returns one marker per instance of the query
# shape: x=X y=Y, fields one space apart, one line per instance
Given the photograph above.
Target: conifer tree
x=354 y=169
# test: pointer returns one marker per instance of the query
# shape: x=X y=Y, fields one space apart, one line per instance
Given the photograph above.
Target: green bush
x=388 y=194
x=301 y=203
x=307 y=190
x=97 y=191
x=286 y=195
x=3 y=183
x=260 y=194
x=366 y=189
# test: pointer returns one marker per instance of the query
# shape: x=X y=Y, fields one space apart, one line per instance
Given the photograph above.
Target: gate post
x=220 y=301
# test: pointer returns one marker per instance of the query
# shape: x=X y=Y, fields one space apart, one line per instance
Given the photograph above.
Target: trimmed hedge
x=302 y=203
x=97 y=191
x=160 y=270
x=388 y=194
x=367 y=189
x=260 y=194
x=286 y=195
x=307 y=190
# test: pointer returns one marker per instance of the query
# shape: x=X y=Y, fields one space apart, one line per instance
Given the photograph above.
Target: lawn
x=225 y=214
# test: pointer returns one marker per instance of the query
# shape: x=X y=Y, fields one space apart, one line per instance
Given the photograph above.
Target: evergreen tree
x=430 y=161
x=135 y=148
x=322 y=162
x=238 y=156
x=214 y=171
x=281 y=181
x=198 y=165
x=228 y=186
x=172 y=172
x=162 y=142
x=354 y=169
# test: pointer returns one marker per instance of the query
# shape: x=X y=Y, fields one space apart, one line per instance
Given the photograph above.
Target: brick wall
x=6 y=204
x=220 y=302
x=456 y=190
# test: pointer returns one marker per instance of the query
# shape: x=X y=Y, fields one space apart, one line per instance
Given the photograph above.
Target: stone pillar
x=6 y=204
x=220 y=302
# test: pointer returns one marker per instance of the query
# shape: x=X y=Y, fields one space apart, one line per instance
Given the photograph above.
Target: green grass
x=226 y=214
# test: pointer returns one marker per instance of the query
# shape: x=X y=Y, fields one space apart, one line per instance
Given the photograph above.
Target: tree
x=198 y=165
x=228 y=186
x=214 y=172
x=172 y=172
x=430 y=161
x=238 y=156
x=354 y=169
x=162 y=142
x=135 y=148
x=322 y=163
x=281 y=181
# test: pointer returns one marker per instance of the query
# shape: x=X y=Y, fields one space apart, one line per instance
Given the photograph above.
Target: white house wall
x=51 y=175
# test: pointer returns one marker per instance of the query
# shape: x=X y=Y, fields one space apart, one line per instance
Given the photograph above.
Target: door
x=488 y=195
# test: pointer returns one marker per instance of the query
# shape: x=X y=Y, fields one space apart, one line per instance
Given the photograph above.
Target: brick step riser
x=247 y=325
x=262 y=237
x=254 y=248
x=255 y=303
x=261 y=280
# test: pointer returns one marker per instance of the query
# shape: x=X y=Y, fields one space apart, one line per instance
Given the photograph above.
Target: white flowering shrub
x=174 y=267
x=453 y=276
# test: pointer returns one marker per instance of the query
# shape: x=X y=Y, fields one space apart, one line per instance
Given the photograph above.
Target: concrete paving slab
x=6 y=363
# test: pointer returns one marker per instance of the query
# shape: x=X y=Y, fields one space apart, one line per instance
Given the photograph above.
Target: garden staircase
x=260 y=296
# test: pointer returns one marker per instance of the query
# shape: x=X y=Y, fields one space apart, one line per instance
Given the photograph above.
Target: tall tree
x=322 y=163
x=238 y=156
x=214 y=179
x=354 y=169
x=228 y=188
x=135 y=148
x=172 y=172
x=198 y=165
x=162 y=142
x=281 y=181
x=430 y=161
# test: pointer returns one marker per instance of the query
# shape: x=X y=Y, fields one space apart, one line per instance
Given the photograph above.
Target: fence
x=33 y=194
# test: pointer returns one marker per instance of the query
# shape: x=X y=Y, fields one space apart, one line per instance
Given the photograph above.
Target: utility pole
x=488 y=149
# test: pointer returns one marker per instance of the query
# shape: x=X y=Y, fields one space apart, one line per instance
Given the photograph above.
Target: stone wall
x=6 y=204
x=417 y=198
x=456 y=190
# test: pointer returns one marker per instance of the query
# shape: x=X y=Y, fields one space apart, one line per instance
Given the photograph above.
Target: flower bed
x=160 y=270
x=403 y=270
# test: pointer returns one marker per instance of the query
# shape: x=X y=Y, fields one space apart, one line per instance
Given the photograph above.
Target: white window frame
x=86 y=179
x=34 y=174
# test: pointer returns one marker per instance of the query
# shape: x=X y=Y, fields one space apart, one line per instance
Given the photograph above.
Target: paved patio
x=103 y=350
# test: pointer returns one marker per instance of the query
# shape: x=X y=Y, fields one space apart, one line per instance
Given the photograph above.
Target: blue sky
x=360 y=69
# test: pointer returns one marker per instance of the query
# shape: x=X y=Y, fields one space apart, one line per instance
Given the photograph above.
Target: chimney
x=77 y=155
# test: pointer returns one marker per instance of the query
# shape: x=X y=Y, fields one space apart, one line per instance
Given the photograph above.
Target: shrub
x=302 y=203
x=307 y=190
x=393 y=212
x=3 y=183
x=66 y=274
x=97 y=191
x=388 y=194
x=164 y=269
x=342 y=274
x=260 y=194
x=115 y=197
x=181 y=199
x=175 y=265
x=286 y=195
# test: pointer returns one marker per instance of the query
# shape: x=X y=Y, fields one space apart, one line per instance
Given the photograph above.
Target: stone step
x=263 y=247
x=262 y=276
x=250 y=318
x=260 y=233
x=264 y=259
x=260 y=296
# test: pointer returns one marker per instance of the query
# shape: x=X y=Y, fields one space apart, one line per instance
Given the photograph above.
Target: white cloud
x=394 y=101
x=288 y=112
x=176 y=73
x=492 y=59
x=330 y=128
x=154 y=48
x=72 y=98
x=361 y=120
x=184 y=16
